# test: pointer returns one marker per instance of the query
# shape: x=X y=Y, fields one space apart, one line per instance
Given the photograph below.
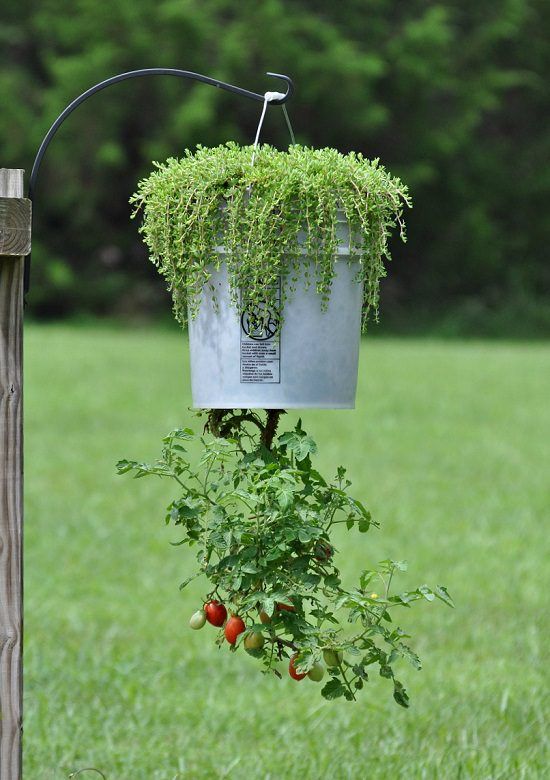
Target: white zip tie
x=267 y=98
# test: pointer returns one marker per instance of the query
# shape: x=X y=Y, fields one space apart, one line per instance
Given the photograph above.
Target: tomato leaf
x=442 y=593
x=333 y=689
x=400 y=694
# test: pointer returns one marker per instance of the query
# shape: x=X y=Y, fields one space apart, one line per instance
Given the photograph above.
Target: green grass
x=450 y=448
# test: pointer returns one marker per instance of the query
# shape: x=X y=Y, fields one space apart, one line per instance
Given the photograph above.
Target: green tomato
x=254 y=641
x=317 y=672
x=198 y=619
x=332 y=657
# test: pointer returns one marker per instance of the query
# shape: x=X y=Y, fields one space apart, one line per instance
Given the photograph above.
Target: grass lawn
x=450 y=448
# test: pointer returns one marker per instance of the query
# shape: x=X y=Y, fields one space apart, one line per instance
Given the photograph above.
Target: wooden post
x=15 y=230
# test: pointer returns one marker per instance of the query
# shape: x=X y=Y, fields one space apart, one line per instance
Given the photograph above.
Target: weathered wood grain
x=11 y=497
x=15 y=226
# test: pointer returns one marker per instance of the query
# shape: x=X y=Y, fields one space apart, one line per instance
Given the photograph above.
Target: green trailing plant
x=261 y=519
x=266 y=215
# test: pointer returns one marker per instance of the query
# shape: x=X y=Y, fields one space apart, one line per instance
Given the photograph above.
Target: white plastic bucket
x=311 y=363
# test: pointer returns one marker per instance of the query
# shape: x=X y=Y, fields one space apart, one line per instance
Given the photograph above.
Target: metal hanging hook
x=278 y=101
x=276 y=98
x=186 y=74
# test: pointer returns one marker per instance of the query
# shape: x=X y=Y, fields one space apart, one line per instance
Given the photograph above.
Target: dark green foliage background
x=450 y=95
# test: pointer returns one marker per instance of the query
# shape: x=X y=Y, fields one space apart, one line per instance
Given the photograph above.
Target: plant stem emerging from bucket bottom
x=226 y=422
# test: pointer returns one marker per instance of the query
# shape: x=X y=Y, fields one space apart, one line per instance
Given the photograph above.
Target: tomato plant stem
x=348 y=686
x=259 y=514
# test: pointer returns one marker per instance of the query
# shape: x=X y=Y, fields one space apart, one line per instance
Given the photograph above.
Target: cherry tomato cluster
x=215 y=613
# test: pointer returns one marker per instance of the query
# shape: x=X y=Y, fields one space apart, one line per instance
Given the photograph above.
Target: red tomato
x=234 y=626
x=264 y=617
x=285 y=607
x=216 y=613
x=323 y=551
x=292 y=669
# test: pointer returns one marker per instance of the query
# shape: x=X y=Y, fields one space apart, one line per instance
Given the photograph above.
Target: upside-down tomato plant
x=260 y=517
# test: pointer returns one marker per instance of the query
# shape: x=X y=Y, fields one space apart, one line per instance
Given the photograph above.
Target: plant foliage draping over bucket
x=265 y=216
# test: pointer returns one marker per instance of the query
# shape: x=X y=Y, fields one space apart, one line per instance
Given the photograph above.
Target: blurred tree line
x=451 y=95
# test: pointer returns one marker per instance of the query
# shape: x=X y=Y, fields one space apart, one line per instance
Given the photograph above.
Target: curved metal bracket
x=274 y=98
x=132 y=74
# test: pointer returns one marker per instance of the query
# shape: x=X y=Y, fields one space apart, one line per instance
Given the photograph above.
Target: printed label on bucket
x=261 y=345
